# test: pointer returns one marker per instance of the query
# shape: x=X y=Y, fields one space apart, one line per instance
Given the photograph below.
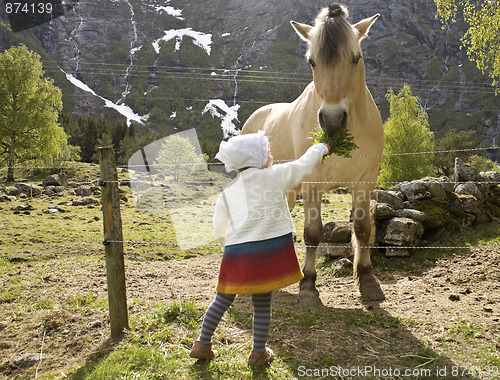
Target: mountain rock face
x=164 y=60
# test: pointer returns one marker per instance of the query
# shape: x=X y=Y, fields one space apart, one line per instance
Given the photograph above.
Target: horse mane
x=333 y=39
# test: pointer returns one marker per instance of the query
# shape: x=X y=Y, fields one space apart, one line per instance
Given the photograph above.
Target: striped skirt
x=259 y=266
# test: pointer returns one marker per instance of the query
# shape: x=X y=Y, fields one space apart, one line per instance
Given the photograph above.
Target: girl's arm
x=294 y=172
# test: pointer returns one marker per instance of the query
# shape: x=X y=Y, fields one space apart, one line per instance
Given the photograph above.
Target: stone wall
x=415 y=213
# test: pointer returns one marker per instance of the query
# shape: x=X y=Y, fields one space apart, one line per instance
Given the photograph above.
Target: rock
x=84 y=201
x=29 y=189
x=24 y=208
x=464 y=173
x=337 y=232
x=468 y=203
x=415 y=190
x=437 y=189
x=6 y=198
x=384 y=211
x=435 y=212
x=342 y=267
x=490 y=177
x=402 y=232
x=468 y=188
x=419 y=216
x=83 y=191
x=393 y=198
x=95 y=325
x=12 y=191
x=28 y=360
x=55 y=180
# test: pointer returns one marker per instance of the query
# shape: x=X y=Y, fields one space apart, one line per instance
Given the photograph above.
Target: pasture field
x=441 y=318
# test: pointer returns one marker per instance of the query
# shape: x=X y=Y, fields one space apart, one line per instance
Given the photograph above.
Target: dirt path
x=61 y=313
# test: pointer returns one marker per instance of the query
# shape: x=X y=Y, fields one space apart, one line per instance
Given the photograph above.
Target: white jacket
x=254 y=207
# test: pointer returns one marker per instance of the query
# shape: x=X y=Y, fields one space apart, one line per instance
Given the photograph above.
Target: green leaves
x=29 y=110
x=408 y=140
x=482 y=38
x=341 y=143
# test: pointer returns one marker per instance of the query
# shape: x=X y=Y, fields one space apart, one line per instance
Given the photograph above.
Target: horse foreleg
x=313 y=233
x=368 y=284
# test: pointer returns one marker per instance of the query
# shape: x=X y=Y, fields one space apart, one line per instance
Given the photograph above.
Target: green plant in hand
x=341 y=143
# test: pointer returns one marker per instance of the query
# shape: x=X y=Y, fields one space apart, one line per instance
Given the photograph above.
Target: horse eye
x=312 y=63
x=356 y=59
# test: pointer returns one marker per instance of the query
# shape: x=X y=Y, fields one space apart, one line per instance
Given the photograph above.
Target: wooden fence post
x=113 y=242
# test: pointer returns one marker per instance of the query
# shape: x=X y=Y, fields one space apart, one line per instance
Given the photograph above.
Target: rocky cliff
x=162 y=61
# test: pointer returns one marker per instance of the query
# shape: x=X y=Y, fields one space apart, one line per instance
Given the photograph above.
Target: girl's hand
x=328 y=146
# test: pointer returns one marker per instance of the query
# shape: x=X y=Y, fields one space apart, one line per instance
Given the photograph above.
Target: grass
x=158 y=343
x=157 y=346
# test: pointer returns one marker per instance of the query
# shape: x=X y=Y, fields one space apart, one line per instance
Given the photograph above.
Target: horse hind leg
x=313 y=233
x=366 y=281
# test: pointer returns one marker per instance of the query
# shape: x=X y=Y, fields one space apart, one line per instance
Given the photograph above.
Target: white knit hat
x=242 y=151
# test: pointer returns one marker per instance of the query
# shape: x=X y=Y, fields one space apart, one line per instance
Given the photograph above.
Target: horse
x=337 y=99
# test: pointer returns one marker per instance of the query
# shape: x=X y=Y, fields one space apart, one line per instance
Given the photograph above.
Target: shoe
x=202 y=351
x=258 y=358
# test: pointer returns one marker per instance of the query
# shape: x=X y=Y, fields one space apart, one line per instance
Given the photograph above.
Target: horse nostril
x=345 y=119
x=321 y=119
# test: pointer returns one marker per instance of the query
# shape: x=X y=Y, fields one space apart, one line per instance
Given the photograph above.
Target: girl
x=254 y=226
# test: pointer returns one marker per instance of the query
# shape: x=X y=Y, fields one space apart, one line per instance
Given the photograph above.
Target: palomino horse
x=337 y=99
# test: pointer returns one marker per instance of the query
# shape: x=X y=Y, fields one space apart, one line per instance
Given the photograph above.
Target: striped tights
x=261 y=318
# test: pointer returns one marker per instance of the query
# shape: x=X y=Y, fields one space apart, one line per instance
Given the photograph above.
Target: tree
x=406 y=131
x=482 y=38
x=29 y=111
x=454 y=144
x=178 y=156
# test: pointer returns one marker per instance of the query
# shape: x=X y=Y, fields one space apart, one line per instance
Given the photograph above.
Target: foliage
x=177 y=156
x=406 y=131
x=482 y=38
x=454 y=144
x=29 y=110
x=85 y=132
x=341 y=143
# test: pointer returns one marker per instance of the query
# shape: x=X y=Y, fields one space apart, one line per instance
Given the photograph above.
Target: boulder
x=468 y=188
x=29 y=189
x=84 y=201
x=402 y=232
x=384 y=211
x=438 y=189
x=415 y=190
x=83 y=191
x=55 y=180
x=392 y=198
x=337 y=232
x=464 y=173
x=419 y=216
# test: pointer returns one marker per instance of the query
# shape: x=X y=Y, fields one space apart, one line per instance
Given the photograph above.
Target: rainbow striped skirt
x=259 y=266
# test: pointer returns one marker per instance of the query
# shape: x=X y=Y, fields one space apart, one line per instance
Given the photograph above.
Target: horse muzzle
x=333 y=119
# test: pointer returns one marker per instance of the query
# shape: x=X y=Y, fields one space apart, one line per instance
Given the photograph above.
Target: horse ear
x=302 y=29
x=364 y=26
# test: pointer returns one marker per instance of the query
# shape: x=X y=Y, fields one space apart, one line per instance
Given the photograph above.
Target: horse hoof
x=310 y=301
x=373 y=292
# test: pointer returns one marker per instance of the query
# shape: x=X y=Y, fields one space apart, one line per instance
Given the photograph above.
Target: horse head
x=334 y=53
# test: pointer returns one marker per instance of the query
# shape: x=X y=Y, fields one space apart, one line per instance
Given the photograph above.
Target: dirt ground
x=433 y=296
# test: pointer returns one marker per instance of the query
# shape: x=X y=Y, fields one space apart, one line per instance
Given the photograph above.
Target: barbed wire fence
x=97 y=242
x=114 y=240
